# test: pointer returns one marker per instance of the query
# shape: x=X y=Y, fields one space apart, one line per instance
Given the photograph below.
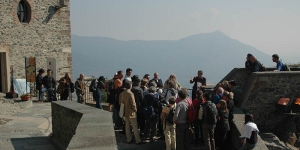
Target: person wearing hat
x=199 y=83
x=168 y=125
x=236 y=90
x=139 y=100
x=279 y=65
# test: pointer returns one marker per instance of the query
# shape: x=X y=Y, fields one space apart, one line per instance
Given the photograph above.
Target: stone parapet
x=76 y=126
x=262 y=92
x=239 y=120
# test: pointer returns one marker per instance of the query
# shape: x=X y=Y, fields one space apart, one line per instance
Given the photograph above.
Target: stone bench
x=77 y=126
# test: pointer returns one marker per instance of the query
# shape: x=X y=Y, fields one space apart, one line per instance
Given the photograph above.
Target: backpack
x=210 y=116
x=284 y=67
x=93 y=85
x=137 y=93
x=109 y=85
x=191 y=112
x=148 y=111
x=169 y=118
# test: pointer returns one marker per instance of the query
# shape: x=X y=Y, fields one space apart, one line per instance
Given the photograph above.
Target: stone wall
x=47 y=35
x=262 y=92
x=64 y=124
x=77 y=126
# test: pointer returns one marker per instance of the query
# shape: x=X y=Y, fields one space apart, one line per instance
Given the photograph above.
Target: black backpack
x=137 y=94
x=211 y=114
x=285 y=67
x=110 y=85
x=93 y=85
x=169 y=118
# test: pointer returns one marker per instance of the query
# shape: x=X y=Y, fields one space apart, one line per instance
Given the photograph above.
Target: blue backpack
x=149 y=112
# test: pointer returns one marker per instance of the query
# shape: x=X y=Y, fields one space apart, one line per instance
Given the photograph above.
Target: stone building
x=34 y=28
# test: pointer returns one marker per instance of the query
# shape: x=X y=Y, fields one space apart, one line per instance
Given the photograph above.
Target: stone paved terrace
x=27 y=129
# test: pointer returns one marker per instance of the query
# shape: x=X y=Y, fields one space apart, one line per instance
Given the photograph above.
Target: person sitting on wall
x=249 y=133
x=80 y=88
x=49 y=85
x=248 y=64
x=279 y=65
x=256 y=66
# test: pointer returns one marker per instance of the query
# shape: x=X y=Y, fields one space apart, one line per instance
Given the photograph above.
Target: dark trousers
x=97 y=98
x=141 y=121
x=150 y=128
x=183 y=141
x=64 y=95
x=116 y=118
x=229 y=139
x=198 y=131
x=160 y=127
x=220 y=139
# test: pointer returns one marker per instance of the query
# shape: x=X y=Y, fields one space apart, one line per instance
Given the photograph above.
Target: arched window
x=24 y=11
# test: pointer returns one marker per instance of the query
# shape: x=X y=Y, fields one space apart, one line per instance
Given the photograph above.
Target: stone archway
x=4 y=73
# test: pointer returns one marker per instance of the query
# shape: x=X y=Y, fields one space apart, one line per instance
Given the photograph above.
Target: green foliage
x=104 y=95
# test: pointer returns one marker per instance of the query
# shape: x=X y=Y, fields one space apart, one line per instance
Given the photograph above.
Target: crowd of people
x=152 y=108
x=149 y=107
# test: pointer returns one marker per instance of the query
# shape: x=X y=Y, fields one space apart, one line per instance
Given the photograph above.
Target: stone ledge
x=84 y=126
x=239 y=119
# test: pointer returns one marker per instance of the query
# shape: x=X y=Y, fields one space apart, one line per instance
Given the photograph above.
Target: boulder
x=285 y=128
x=298 y=143
x=292 y=139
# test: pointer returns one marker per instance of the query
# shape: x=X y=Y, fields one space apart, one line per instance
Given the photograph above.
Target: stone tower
x=34 y=28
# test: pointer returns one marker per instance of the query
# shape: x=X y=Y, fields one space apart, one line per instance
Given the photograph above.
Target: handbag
x=121 y=112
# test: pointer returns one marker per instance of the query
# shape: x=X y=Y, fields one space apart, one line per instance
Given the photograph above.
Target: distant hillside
x=215 y=53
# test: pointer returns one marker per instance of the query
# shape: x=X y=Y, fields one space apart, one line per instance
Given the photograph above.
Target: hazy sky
x=272 y=26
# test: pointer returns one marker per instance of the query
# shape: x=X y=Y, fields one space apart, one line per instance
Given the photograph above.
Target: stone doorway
x=4 y=74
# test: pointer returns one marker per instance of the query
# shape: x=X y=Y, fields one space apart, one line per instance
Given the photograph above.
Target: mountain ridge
x=215 y=53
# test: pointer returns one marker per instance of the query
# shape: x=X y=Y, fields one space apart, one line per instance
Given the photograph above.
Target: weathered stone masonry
x=48 y=34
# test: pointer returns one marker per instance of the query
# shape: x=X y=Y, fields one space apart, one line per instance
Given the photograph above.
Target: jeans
x=50 y=93
x=97 y=98
x=116 y=118
x=183 y=141
x=41 y=93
